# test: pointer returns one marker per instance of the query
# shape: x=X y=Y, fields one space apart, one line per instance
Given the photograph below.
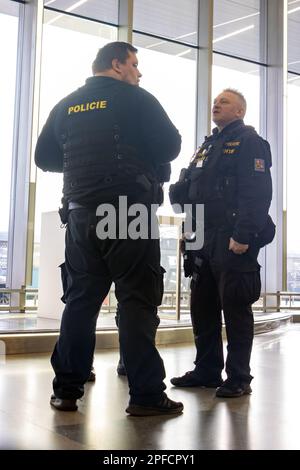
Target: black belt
x=75 y=205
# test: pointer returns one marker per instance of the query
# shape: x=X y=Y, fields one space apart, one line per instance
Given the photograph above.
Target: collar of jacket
x=232 y=127
x=96 y=81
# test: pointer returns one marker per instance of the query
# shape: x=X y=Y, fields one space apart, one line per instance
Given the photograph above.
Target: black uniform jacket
x=88 y=115
x=235 y=165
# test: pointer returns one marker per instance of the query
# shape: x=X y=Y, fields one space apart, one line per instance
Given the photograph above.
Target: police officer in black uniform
x=230 y=175
x=109 y=138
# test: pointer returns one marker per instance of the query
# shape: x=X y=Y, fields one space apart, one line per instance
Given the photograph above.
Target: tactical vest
x=98 y=165
x=202 y=182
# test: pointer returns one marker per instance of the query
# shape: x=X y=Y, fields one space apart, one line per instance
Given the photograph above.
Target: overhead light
x=57 y=17
x=293 y=10
x=76 y=5
x=234 y=33
x=159 y=43
x=292 y=79
x=177 y=37
x=71 y=8
x=183 y=53
x=238 y=19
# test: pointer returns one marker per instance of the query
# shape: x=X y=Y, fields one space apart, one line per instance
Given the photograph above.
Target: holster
x=163 y=173
x=188 y=260
x=178 y=194
x=64 y=211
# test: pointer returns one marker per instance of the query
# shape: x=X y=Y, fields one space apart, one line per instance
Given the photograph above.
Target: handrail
x=281 y=296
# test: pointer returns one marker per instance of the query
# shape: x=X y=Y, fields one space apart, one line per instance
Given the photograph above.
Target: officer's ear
x=241 y=112
x=115 y=65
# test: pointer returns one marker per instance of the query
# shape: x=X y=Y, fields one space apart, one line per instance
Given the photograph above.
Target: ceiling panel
x=172 y=19
x=102 y=10
x=236 y=28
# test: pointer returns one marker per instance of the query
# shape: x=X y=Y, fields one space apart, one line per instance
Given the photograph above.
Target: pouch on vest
x=196 y=192
x=267 y=234
x=178 y=192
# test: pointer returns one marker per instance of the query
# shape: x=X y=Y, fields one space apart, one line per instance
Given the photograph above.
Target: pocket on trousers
x=161 y=284
x=64 y=281
x=248 y=287
x=157 y=284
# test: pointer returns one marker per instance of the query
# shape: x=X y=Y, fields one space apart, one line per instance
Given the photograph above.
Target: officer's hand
x=237 y=248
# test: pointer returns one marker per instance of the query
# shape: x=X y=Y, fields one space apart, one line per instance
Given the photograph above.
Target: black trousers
x=91 y=266
x=222 y=281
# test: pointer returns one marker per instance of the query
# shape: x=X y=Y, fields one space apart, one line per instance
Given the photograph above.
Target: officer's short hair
x=113 y=50
x=239 y=94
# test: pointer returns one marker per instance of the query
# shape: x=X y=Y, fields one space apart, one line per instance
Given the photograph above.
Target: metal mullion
x=204 y=69
x=20 y=187
x=125 y=11
x=276 y=135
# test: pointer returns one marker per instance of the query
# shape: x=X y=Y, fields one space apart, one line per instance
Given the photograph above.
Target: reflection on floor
x=30 y=322
x=269 y=419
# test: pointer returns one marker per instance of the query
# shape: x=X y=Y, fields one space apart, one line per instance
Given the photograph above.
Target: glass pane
x=237 y=28
x=243 y=76
x=174 y=19
x=293 y=190
x=8 y=56
x=294 y=36
x=170 y=75
x=69 y=48
x=106 y=10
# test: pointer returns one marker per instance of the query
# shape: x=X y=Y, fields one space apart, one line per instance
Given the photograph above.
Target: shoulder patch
x=259 y=164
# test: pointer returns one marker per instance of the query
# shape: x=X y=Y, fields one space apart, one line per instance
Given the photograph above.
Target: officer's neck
x=108 y=73
x=223 y=126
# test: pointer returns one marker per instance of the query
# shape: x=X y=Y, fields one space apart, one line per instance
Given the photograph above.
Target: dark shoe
x=190 y=379
x=63 y=404
x=165 y=407
x=92 y=377
x=121 y=368
x=231 y=389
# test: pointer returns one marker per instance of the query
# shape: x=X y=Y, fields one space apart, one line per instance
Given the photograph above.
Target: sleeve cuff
x=241 y=237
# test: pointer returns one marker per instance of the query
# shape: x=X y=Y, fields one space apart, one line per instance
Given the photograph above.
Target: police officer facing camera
x=230 y=175
x=110 y=138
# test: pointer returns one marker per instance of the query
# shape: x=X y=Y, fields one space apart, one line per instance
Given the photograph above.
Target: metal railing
x=26 y=299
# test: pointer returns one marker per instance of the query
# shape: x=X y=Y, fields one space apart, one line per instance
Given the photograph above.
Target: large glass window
x=293 y=191
x=104 y=10
x=169 y=73
x=237 y=28
x=293 y=162
x=243 y=76
x=9 y=19
x=294 y=36
x=173 y=19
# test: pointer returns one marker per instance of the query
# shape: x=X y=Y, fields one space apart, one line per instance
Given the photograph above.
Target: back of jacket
x=102 y=136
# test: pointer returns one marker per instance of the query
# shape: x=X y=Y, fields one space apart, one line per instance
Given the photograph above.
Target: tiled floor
x=268 y=419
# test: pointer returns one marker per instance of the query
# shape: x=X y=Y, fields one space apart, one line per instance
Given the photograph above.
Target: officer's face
x=227 y=108
x=129 y=71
